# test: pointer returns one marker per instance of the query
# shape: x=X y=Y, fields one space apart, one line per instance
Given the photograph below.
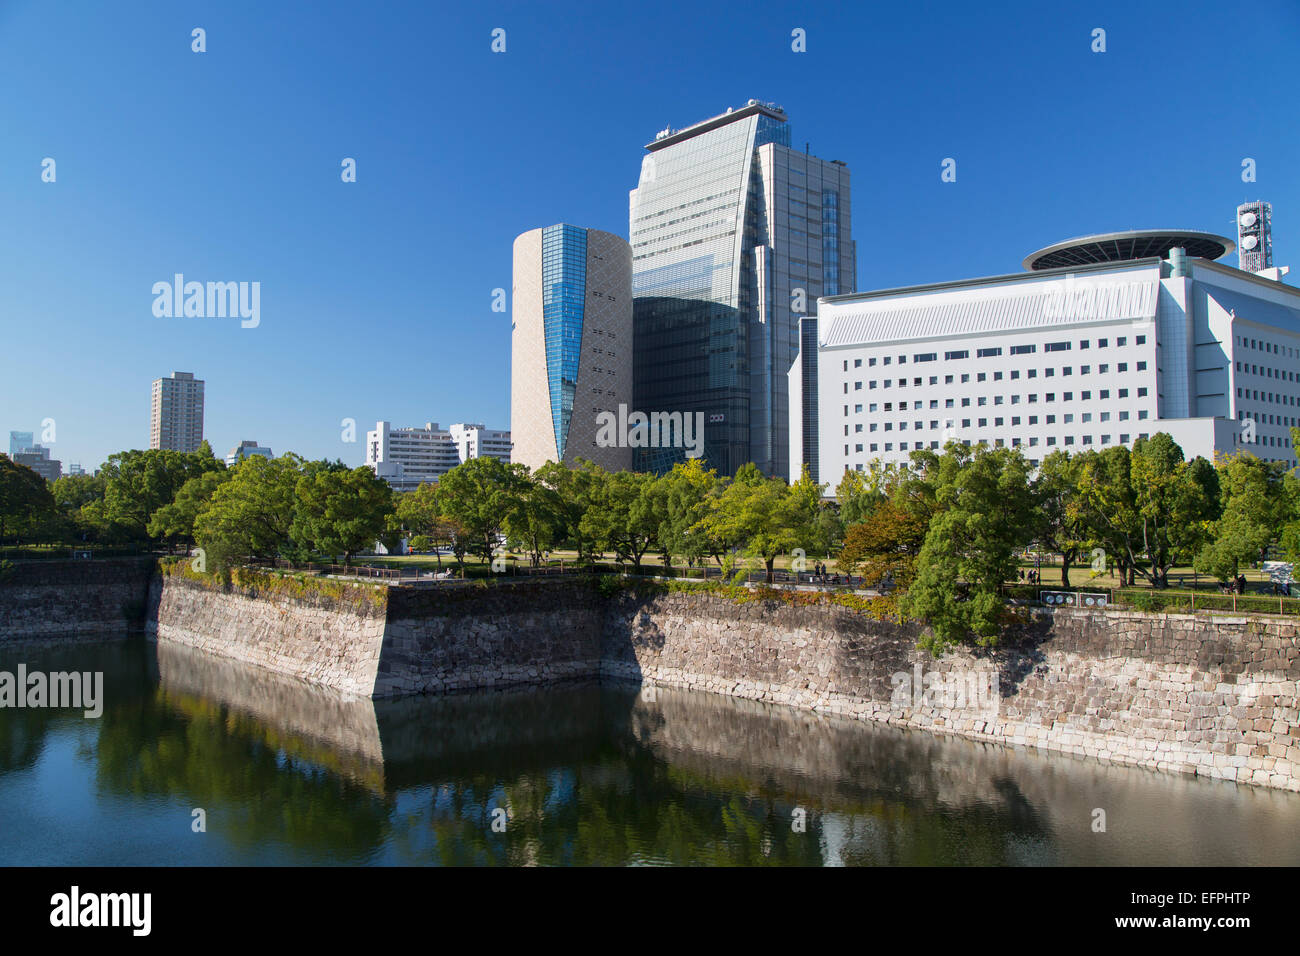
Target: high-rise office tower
x=734 y=237
x=176 y=412
x=571 y=346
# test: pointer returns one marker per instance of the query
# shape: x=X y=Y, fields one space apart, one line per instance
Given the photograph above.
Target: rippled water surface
x=290 y=774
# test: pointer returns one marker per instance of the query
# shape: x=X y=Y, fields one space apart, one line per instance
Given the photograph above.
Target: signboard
x=1072 y=599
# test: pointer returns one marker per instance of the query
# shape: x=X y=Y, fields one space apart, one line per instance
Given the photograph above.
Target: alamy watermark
x=655 y=430
x=62 y=690
x=961 y=689
x=212 y=300
x=127 y=910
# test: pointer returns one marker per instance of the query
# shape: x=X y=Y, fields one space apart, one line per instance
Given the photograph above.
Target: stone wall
x=69 y=599
x=1214 y=696
x=463 y=638
x=317 y=639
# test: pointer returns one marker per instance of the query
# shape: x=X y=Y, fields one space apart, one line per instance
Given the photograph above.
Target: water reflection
x=289 y=773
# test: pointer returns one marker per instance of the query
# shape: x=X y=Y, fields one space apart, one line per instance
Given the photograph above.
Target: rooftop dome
x=1124 y=246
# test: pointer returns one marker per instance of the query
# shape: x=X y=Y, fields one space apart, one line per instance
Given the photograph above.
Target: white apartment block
x=1074 y=358
x=176 y=412
x=409 y=457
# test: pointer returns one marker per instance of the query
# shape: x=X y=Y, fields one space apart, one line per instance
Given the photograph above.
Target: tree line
x=945 y=530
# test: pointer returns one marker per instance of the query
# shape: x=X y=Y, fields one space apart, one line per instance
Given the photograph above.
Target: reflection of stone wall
x=1211 y=696
x=1043 y=805
x=321 y=641
x=62 y=599
x=337 y=730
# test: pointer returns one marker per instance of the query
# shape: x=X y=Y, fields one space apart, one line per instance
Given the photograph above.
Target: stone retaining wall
x=69 y=599
x=323 y=641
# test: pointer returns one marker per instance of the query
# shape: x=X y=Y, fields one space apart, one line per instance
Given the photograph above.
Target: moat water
x=289 y=774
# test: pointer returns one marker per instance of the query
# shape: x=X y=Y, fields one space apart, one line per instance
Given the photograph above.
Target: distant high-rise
x=246 y=449
x=20 y=442
x=571 y=347
x=734 y=237
x=176 y=413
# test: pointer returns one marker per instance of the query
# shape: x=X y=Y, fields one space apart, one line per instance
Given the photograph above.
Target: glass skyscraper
x=571 y=345
x=734 y=236
x=564 y=288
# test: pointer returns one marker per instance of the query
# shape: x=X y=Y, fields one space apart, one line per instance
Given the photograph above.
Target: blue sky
x=376 y=295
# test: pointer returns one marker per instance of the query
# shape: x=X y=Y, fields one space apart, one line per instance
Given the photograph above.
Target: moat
x=286 y=773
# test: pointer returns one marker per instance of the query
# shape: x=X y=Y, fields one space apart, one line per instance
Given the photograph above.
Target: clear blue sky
x=376 y=296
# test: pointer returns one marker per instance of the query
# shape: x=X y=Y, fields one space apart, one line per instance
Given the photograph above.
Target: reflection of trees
x=254 y=792
x=22 y=736
x=126 y=668
x=606 y=814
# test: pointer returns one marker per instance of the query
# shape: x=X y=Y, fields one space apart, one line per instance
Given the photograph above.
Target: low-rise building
x=409 y=457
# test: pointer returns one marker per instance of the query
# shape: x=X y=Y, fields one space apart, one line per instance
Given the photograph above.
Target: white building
x=1076 y=357
x=409 y=457
x=176 y=412
x=246 y=449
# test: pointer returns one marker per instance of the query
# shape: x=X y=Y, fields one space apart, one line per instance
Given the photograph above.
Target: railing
x=76 y=552
x=1150 y=599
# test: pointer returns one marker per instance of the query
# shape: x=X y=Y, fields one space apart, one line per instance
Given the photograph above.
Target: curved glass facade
x=564 y=291
x=734 y=236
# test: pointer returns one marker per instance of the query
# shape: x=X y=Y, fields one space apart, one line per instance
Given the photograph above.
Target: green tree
x=765 y=516
x=985 y=511
x=1056 y=493
x=138 y=483
x=73 y=492
x=621 y=515
x=1254 y=511
x=478 y=495
x=1176 y=500
x=252 y=514
x=341 y=511
x=175 y=521
x=1108 y=506
x=420 y=516
x=26 y=504
x=860 y=492
x=687 y=492
x=886 y=543
x=537 y=518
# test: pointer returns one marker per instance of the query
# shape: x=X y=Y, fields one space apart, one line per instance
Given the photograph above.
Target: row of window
x=1103 y=394
x=918 y=381
x=998 y=422
x=1031 y=442
x=1268 y=372
x=1272 y=397
x=1272 y=348
x=1286 y=421
x=995 y=351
